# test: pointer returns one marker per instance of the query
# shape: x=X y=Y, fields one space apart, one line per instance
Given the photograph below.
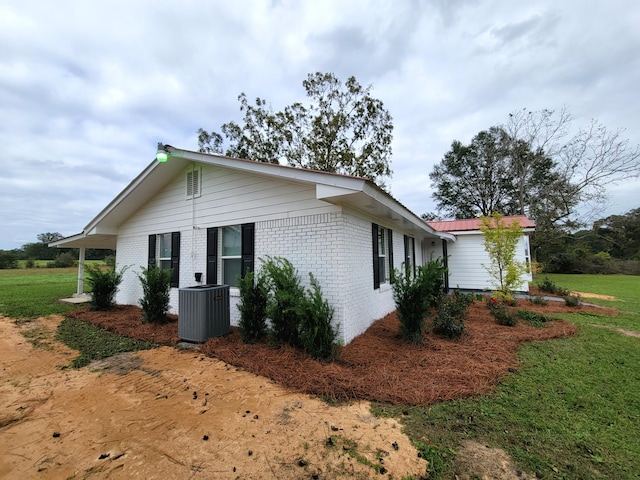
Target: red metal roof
x=474 y=224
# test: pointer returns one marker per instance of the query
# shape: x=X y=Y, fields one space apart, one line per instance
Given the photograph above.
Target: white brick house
x=219 y=216
x=211 y=218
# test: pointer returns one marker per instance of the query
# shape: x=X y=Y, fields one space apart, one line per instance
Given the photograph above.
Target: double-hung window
x=164 y=252
x=382 y=242
x=229 y=253
x=409 y=255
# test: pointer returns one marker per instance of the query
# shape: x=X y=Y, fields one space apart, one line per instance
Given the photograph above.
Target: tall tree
x=342 y=129
x=475 y=180
x=544 y=168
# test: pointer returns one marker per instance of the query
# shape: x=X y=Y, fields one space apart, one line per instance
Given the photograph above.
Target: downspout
x=81 y=256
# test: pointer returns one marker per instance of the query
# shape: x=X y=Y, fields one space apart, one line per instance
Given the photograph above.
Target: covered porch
x=82 y=241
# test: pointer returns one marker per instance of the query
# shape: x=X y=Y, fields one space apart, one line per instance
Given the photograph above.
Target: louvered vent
x=193 y=183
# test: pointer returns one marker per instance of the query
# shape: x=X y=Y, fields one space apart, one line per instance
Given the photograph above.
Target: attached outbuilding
x=467 y=257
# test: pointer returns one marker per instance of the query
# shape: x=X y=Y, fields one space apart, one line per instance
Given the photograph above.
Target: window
x=235 y=256
x=194 y=182
x=409 y=255
x=164 y=252
x=231 y=255
x=382 y=254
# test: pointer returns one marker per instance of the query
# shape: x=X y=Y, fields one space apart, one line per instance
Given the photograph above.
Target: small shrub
x=538 y=300
x=110 y=261
x=532 y=318
x=549 y=286
x=103 y=285
x=254 y=296
x=63 y=260
x=572 y=300
x=451 y=312
x=155 y=300
x=317 y=334
x=29 y=263
x=501 y=313
x=286 y=304
x=414 y=294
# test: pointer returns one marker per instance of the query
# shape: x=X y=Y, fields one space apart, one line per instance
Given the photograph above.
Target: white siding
x=317 y=237
x=466 y=259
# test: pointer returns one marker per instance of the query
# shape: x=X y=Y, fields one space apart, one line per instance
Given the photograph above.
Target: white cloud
x=87 y=89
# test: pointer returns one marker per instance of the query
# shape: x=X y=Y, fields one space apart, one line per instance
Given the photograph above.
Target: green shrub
x=286 y=304
x=537 y=300
x=110 y=261
x=451 y=312
x=532 y=318
x=29 y=263
x=63 y=260
x=550 y=287
x=155 y=300
x=254 y=295
x=572 y=300
x=414 y=294
x=103 y=284
x=317 y=334
x=500 y=312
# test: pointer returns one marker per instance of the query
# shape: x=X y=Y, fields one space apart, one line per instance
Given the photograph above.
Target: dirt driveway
x=167 y=413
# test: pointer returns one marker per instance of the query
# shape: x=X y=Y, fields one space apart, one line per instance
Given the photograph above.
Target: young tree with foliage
x=500 y=241
x=342 y=129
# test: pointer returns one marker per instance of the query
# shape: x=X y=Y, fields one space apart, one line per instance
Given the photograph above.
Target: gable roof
x=355 y=192
x=473 y=224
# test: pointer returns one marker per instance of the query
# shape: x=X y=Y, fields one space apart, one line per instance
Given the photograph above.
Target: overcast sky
x=87 y=89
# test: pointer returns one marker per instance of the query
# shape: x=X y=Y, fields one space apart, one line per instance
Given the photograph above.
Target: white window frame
x=229 y=257
x=159 y=258
x=383 y=234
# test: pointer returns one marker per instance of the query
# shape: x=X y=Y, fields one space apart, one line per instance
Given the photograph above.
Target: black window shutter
x=445 y=258
x=376 y=260
x=413 y=253
x=212 y=255
x=390 y=232
x=407 y=260
x=175 y=258
x=151 y=257
x=248 y=233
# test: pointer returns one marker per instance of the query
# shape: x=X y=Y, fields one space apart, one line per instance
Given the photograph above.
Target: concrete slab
x=75 y=298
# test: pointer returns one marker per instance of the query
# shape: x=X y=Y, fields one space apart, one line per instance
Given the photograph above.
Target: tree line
x=40 y=250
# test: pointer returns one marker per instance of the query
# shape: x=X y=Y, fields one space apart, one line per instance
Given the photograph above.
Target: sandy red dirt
x=170 y=413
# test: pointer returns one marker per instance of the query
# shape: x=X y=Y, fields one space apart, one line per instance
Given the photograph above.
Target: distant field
x=32 y=292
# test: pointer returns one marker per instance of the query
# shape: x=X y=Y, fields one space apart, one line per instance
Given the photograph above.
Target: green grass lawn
x=32 y=292
x=573 y=409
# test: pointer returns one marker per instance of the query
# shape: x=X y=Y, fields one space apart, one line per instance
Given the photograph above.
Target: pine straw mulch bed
x=377 y=365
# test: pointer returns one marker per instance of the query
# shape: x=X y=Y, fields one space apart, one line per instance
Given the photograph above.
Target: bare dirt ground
x=170 y=413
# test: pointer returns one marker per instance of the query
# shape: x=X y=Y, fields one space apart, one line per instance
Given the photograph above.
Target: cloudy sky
x=87 y=89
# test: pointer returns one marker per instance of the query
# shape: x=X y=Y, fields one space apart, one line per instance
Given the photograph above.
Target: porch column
x=81 y=271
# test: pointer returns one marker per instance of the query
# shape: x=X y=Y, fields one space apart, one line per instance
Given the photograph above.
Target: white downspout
x=81 y=271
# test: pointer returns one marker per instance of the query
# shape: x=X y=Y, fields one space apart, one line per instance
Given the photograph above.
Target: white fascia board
x=380 y=196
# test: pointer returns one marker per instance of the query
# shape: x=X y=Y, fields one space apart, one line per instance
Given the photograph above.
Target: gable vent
x=193 y=183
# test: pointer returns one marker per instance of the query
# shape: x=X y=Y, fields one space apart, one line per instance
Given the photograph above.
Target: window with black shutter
x=164 y=253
